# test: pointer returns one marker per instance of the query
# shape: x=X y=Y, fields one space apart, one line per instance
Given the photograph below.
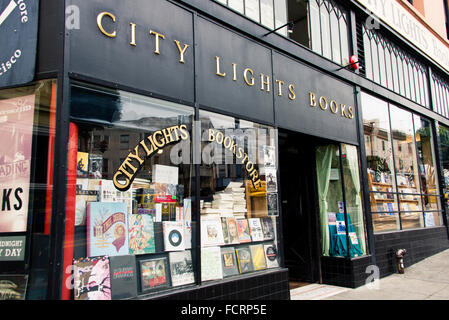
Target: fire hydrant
x=400 y=258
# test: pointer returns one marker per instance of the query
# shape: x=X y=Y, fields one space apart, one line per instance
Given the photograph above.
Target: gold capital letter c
x=100 y=24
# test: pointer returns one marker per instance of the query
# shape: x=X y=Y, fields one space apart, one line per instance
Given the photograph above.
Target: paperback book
x=211 y=232
x=229 y=261
x=107 y=229
x=232 y=231
x=258 y=256
x=181 y=268
x=243 y=230
x=267 y=228
x=123 y=277
x=271 y=255
x=211 y=268
x=255 y=228
x=141 y=234
x=244 y=259
x=83 y=197
x=91 y=278
x=173 y=235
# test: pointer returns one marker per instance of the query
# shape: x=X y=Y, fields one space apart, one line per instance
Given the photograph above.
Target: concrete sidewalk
x=425 y=280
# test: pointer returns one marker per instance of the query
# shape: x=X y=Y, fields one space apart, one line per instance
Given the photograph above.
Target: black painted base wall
x=263 y=285
x=419 y=244
x=344 y=272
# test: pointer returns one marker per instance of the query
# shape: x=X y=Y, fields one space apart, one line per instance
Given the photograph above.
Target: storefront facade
x=201 y=158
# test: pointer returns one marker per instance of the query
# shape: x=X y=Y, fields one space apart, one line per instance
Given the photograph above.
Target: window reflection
x=399 y=193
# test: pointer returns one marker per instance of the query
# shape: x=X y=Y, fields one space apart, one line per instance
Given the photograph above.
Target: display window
x=27 y=132
x=129 y=219
x=340 y=201
x=239 y=197
x=404 y=192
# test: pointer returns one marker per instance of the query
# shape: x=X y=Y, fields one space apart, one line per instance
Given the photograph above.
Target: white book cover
x=211 y=266
x=255 y=228
x=173 y=235
x=211 y=232
x=165 y=174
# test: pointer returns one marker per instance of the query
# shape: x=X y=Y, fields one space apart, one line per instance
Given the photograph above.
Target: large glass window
x=239 y=197
x=340 y=202
x=129 y=223
x=401 y=171
x=27 y=132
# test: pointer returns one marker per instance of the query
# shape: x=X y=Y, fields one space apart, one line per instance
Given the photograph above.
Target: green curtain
x=323 y=168
x=357 y=216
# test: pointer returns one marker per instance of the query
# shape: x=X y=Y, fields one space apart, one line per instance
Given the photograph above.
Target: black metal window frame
x=389 y=65
x=395 y=191
x=440 y=94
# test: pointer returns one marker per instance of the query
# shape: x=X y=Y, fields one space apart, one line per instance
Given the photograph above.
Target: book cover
x=107 y=229
x=108 y=193
x=271 y=255
x=244 y=259
x=173 y=235
x=181 y=268
x=95 y=166
x=211 y=232
x=145 y=199
x=255 y=228
x=267 y=228
x=141 y=234
x=271 y=179
x=232 y=231
x=154 y=274
x=269 y=156
x=165 y=174
x=258 y=256
x=82 y=165
x=243 y=230
x=272 y=204
x=229 y=261
x=91 y=278
x=123 y=276
x=158 y=237
x=82 y=198
x=211 y=267
x=224 y=227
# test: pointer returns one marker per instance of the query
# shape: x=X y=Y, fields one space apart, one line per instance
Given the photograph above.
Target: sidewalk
x=425 y=280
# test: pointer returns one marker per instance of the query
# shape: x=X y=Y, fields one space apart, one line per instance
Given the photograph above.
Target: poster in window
x=16 y=136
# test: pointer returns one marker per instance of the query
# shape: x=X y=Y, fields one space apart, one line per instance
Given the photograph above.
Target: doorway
x=299 y=201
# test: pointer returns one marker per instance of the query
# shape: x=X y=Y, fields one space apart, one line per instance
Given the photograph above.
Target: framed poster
x=154 y=274
x=16 y=132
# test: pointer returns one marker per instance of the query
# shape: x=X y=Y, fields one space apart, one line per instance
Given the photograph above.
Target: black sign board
x=18 y=41
x=147 y=45
x=311 y=102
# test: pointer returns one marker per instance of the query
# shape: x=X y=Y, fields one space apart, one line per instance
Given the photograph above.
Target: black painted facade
x=87 y=56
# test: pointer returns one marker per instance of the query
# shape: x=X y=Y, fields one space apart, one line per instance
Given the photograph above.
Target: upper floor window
x=390 y=66
x=321 y=25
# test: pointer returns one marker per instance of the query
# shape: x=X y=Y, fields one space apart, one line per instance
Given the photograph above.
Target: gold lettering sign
x=323 y=103
x=146 y=148
x=251 y=77
x=230 y=144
